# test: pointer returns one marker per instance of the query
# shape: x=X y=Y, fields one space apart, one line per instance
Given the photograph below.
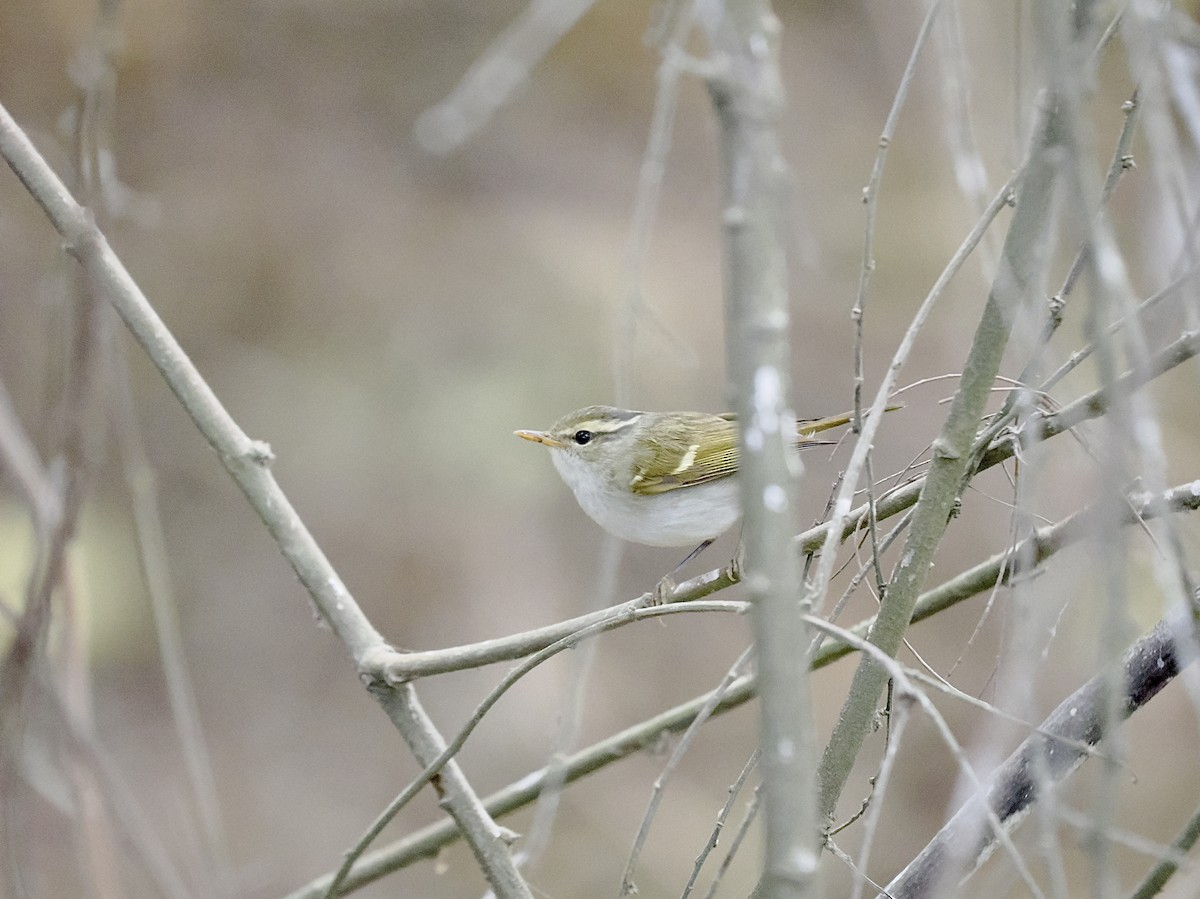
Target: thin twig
x=1122 y=162
x=858 y=312
x=842 y=511
x=879 y=783
x=1080 y=355
x=455 y=745
x=1158 y=876
x=871 y=201
x=1023 y=259
x=738 y=839
x=907 y=692
x=735 y=790
x=498 y=74
x=248 y=462
x=660 y=783
x=960 y=845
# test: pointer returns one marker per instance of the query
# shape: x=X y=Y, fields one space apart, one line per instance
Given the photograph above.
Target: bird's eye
x=582 y=437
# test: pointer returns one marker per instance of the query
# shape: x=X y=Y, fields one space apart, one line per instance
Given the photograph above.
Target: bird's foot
x=736 y=565
x=662 y=591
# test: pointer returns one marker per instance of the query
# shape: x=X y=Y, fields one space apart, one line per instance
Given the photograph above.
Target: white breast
x=683 y=517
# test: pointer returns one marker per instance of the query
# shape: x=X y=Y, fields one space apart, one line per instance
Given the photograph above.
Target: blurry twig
x=734 y=791
x=137 y=829
x=57 y=514
x=20 y=460
x=961 y=845
x=248 y=462
x=1023 y=258
x=1122 y=162
x=1078 y=356
x=497 y=74
x=95 y=74
x=857 y=313
x=739 y=838
x=83 y=753
x=970 y=172
x=1158 y=876
x=736 y=670
x=141 y=482
x=649 y=189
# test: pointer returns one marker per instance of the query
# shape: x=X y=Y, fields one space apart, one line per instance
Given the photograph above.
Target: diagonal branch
x=1042 y=761
x=1021 y=262
x=248 y=463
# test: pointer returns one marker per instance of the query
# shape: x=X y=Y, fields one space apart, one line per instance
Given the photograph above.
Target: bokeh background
x=385 y=317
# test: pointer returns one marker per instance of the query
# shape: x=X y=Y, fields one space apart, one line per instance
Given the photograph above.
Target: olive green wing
x=703 y=448
x=700 y=449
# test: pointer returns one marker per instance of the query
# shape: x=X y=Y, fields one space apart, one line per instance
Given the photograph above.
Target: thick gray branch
x=747 y=94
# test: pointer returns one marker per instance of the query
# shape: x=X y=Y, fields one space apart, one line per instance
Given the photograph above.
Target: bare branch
x=248 y=461
x=747 y=94
x=961 y=845
x=1022 y=260
x=1036 y=550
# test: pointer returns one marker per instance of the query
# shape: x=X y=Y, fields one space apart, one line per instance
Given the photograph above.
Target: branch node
x=80 y=234
x=259 y=453
x=942 y=449
x=383 y=664
x=1056 y=304
x=955 y=509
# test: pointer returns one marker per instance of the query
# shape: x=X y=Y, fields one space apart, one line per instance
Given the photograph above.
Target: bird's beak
x=538 y=437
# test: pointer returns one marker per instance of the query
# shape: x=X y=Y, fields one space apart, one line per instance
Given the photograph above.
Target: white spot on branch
x=768 y=398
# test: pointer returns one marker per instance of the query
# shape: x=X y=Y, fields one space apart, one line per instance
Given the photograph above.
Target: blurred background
x=385 y=317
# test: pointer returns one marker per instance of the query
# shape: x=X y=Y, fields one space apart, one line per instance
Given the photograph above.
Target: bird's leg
x=736 y=565
x=667 y=585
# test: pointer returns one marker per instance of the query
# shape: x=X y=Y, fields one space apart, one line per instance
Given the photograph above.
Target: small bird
x=656 y=478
